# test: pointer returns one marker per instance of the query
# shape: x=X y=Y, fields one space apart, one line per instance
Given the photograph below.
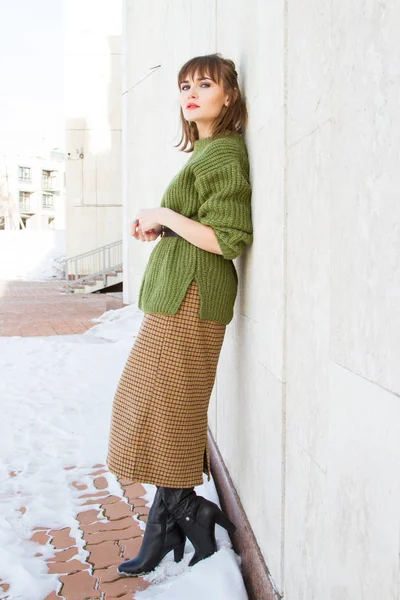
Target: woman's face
x=207 y=99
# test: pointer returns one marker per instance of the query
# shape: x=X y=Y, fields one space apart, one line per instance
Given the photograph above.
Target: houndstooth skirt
x=158 y=432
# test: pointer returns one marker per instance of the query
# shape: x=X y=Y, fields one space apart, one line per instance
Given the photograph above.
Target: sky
x=31 y=75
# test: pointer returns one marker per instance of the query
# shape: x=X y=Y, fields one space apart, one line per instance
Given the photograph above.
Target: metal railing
x=93 y=264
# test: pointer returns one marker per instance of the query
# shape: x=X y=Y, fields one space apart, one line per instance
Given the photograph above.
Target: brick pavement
x=109 y=531
x=31 y=308
x=110 y=535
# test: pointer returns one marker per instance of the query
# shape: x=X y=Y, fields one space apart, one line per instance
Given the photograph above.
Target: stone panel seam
x=285 y=286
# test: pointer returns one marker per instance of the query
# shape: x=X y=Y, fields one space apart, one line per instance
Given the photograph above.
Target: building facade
x=32 y=192
x=93 y=124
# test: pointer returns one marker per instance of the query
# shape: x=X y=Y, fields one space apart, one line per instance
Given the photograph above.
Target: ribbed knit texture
x=212 y=188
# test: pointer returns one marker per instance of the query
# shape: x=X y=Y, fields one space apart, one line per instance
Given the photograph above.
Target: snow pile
x=31 y=254
x=117 y=325
x=56 y=397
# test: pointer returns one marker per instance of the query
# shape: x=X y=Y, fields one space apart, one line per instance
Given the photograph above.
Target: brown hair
x=222 y=70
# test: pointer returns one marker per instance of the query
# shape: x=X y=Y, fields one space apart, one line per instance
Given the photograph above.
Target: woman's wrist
x=164 y=214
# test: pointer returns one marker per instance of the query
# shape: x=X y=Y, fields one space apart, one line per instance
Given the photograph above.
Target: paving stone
x=141 y=510
x=134 y=490
x=79 y=586
x=41 y=537
x=114 y=535
x=118 y=510
x=43 y=308
x=61 y=538
x=100 y=483
x=130 y=548
x=108 y=525
x=126 y=481
x=103 y=555
x=88 y=516
x=92 y=502
x=63 y=555
x=72 y=566
x=99 y=472
x=79 y=486
x=110 y=500
x=125 y=585
x=107 y=575
x=139 y=501
x=102 y=494
x=53 y=596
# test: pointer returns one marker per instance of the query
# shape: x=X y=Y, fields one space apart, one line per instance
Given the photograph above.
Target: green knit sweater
x=212 y=188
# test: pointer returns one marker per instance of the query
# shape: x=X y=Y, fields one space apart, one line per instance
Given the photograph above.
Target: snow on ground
x=55 y=399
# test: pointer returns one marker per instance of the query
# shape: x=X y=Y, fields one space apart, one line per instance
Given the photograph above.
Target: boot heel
x=226 y=523
x=179 y=552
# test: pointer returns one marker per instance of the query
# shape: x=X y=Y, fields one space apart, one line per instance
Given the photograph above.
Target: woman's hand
x=149 y=218
x=148 y=236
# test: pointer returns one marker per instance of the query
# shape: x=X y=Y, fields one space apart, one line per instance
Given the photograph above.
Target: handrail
x=119 y=242
x=95 y=263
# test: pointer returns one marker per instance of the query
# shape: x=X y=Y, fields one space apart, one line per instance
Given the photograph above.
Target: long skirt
x=158 y=431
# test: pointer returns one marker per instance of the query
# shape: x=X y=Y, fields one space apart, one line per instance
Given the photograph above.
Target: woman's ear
x=234 y=97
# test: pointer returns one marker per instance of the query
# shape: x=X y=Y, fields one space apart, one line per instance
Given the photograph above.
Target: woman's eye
x=185 y=86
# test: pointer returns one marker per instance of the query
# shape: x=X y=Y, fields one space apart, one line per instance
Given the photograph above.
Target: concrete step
x=96 y=282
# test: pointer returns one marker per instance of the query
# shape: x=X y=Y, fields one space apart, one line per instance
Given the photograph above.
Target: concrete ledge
x=256 y=576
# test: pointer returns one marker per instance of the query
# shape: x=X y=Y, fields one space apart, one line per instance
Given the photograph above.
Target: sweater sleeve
x=225 y=196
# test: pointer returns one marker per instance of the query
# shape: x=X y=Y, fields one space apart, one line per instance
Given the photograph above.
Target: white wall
x=93 y=123
x=305 y=409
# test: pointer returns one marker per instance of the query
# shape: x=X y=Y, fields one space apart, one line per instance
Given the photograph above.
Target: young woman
x=159 y=420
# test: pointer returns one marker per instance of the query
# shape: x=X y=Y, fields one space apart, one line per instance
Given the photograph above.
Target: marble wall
x=305 y=409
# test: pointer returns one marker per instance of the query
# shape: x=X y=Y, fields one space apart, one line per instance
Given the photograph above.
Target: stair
x=95 y=270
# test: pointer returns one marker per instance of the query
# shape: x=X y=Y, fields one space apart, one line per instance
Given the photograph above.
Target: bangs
x=205 y=66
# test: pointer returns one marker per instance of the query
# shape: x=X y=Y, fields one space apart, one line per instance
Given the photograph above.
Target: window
x=24 y=173
x=49 y=180
x=25 y=202
x=48 y=201
x=46 y=180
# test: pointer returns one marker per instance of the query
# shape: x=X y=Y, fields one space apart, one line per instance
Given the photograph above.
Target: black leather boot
x=162 y=534
x=196 y=516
